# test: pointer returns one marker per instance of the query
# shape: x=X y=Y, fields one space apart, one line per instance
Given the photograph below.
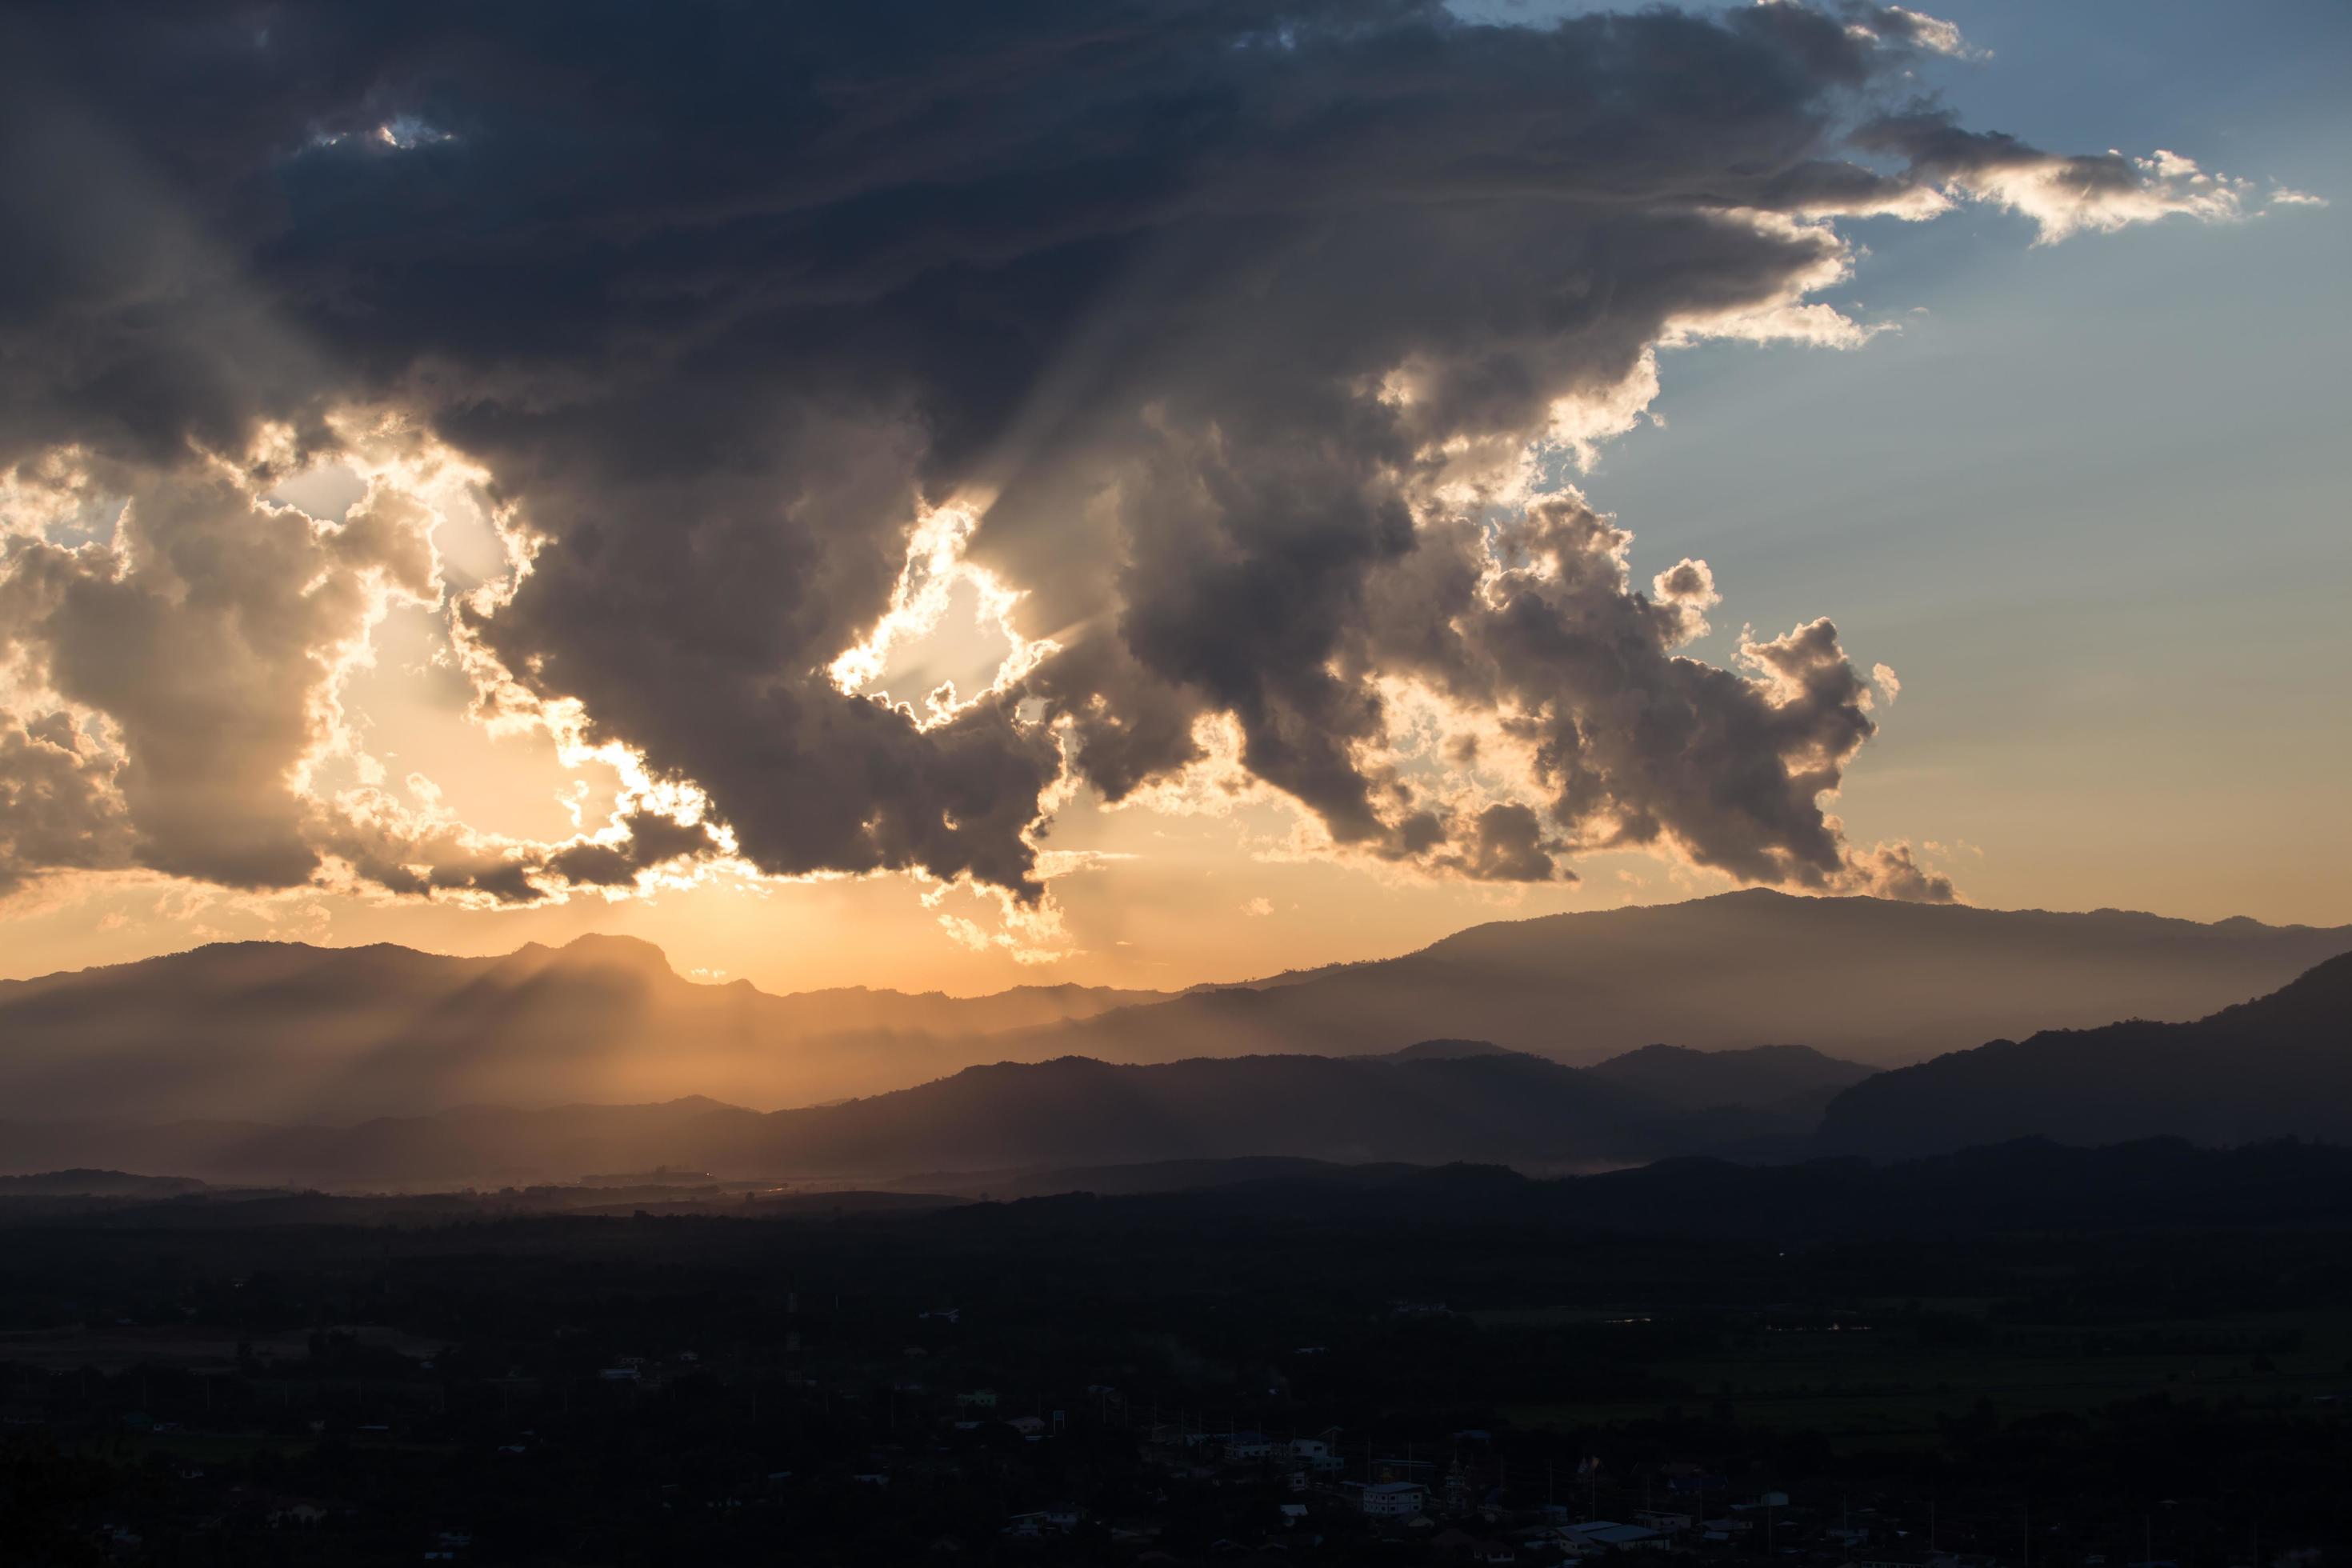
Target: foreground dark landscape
x=2021 y=1354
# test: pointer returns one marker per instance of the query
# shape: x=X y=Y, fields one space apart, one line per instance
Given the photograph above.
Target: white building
x=1391 y=1499
x=1316 y=1454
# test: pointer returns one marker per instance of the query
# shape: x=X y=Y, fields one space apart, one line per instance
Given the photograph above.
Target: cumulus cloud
x=1932 y=34
x=209 y=635
x=1687 y=588
x=208 y=639
x=1506 y=843
x=1893 y=872
x=58 y=808
x=2063 y=194
x=1224 y=348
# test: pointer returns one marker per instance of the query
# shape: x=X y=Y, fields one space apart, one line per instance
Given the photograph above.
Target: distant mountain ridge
x=1758 y=1077
x=1865 y=979
x=2280 y=1065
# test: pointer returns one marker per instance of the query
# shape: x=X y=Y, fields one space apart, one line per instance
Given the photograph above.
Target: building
x=1316 y=1454
x=1247 y=1447
x=1389 y=1499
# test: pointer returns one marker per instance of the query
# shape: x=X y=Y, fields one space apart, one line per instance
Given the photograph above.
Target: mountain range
x=1861 y=978
x=278 y=1063
x=283 y=1033
x=2275 y=1068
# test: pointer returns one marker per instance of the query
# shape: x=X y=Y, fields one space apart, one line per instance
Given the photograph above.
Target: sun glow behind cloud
x=921 y=632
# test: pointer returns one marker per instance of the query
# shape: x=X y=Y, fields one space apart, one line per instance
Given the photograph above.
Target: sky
x=1365 y=469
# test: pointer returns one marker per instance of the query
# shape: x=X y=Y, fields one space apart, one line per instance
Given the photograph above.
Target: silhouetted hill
x=1446 y=1050
x=997 y=1121
x=2277 y=1067
x=1761 y=1078
x=1078 y=1111
x=283 y=1032
x=1866 y=979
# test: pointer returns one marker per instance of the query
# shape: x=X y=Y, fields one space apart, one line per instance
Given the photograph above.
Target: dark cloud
x=1229 y=322
x=1508 y=844
x=1632 y=743
x=653 y=840
x=1938 y=148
